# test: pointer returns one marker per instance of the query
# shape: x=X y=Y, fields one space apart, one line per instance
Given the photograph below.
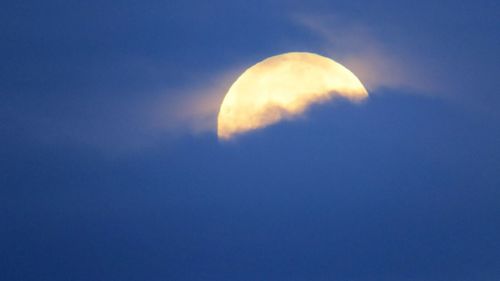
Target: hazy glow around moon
x=281 y=87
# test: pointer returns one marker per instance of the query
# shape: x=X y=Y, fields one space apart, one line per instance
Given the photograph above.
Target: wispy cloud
x=377 y=64
x=127 y=121
x=192 y=109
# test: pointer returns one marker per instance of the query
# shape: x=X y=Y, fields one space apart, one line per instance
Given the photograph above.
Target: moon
x=282 y=87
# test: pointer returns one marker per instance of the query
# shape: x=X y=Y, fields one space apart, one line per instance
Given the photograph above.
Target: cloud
x=113 y=118
x=377 y=64
x=193 y=109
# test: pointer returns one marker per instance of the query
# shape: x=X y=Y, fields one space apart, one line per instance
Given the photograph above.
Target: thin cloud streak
x=192 y=110
x=377 y=65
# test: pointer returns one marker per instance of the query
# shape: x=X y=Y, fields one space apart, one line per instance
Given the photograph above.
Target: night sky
x=110 y=166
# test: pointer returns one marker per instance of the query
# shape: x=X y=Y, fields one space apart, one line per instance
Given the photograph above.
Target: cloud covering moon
x=282 y=87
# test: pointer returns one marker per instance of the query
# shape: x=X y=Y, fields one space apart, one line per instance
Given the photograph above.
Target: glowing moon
x=281 y=87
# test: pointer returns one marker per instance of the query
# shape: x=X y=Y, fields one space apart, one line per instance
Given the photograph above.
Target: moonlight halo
x=282 y=87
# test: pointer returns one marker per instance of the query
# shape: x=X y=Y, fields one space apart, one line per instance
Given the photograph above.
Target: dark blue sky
x=101 y=177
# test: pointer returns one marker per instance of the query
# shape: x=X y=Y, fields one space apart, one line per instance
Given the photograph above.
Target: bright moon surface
x=282 y=87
